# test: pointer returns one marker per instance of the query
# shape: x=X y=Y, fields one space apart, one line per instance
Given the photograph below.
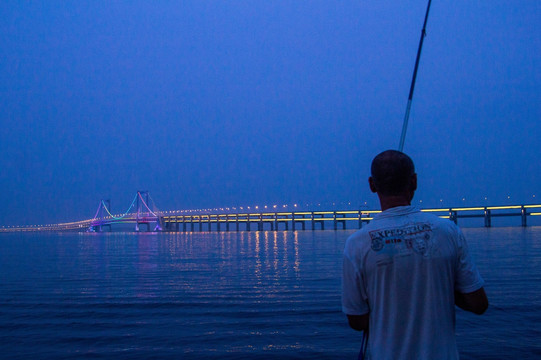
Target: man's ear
x=372 y=184
x=414 y=182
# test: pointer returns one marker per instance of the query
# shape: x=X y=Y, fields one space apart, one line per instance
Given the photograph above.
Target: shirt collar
x=396 y=211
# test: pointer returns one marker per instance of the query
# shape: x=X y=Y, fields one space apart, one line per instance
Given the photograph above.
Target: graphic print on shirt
x=403 y=240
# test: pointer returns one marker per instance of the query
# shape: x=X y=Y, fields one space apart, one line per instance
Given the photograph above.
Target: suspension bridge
x=141 y=212
x=144 y=215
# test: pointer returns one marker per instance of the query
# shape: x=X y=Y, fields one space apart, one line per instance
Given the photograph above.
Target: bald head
x=393 y=173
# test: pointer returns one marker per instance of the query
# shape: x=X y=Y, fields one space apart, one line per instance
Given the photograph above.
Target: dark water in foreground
x=257 y=295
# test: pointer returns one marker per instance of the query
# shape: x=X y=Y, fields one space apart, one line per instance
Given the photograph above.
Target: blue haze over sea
x=246 y=295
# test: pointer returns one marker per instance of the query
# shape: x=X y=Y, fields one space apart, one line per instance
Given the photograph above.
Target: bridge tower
x=104 y=211
x=144 y=213
x=139 y=207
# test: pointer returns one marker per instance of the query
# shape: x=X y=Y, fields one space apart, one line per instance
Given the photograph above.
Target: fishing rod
x=410 y=97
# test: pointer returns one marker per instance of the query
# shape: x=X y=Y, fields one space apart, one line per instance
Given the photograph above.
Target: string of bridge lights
x=274 y=207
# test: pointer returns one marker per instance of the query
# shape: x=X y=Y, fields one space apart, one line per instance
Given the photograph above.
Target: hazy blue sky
x=236 y=103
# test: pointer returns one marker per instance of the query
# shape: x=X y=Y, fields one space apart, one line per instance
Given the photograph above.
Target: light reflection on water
x=244 y=295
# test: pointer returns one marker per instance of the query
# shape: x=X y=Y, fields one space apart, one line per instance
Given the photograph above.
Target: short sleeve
x=353 y=294
x=467 y=277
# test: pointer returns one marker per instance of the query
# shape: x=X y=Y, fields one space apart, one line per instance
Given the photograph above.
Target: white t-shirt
x=403 y=269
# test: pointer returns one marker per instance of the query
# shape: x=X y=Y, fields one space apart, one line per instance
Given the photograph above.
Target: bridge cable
x=125 y=213
x=97 y=211
x=153 y=203
x=144 y=203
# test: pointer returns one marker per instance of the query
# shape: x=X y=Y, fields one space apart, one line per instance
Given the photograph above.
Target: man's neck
x=388 y=202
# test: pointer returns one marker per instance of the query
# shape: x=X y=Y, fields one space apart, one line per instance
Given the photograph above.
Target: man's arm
x=358 y=322
x=475 y=302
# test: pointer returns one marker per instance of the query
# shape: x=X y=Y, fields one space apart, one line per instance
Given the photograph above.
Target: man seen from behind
x=406 y=270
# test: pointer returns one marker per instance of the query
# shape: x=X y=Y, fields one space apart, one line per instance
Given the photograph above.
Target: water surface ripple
x=246 y=295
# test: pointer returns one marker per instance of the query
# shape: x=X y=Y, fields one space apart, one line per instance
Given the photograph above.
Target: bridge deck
x=173 y=221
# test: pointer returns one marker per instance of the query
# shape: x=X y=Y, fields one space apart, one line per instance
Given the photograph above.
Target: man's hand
x=475 y=302
x=358 y=322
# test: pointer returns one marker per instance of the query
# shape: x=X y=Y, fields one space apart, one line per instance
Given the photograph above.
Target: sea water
x=230 y=295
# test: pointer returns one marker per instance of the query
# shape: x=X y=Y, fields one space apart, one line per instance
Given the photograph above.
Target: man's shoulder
x=442 y=224
x=435 y=223
x=361 y=239
x=364 y=232
x=357 y=235
x=358 y=239
x=416 y=218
